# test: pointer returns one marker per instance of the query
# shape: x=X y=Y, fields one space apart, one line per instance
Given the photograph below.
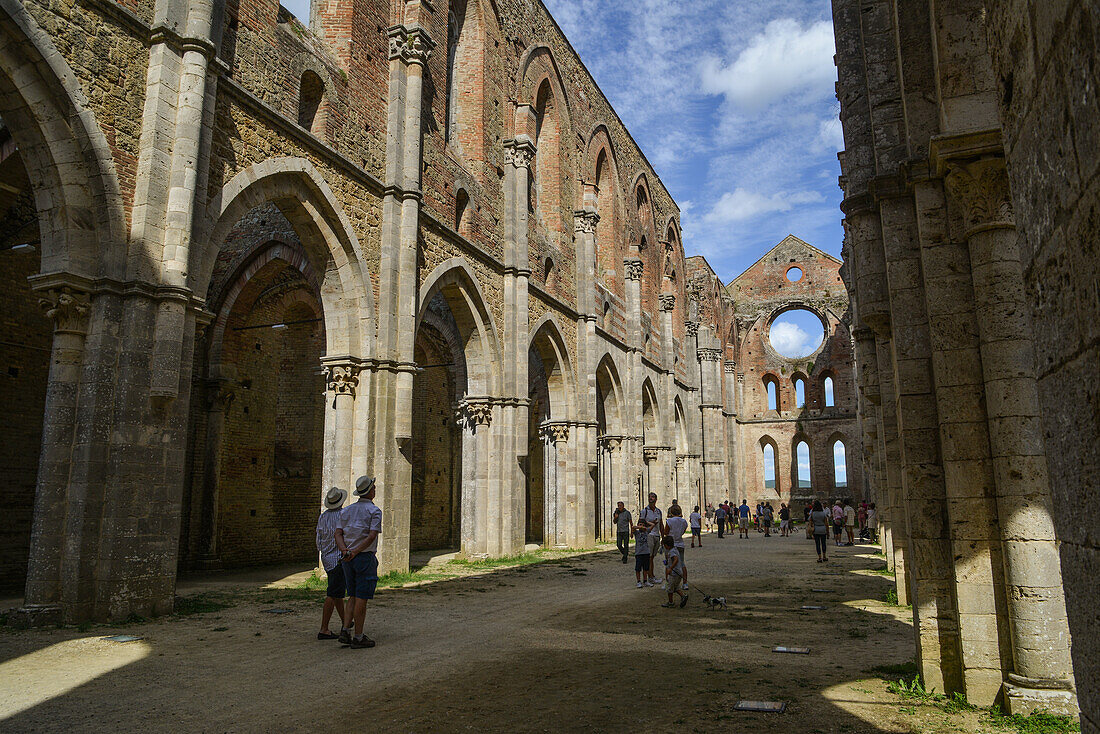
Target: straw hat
x=335 y=498
x=363 y=485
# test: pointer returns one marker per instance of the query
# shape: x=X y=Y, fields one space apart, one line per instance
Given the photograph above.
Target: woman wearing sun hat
x=330 y=559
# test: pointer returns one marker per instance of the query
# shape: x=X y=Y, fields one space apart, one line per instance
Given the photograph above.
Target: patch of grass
x=1037 y=723
x=884 y=572
x=201 y=604
x=397 y=579
x=314 y=582
x=895 y=672
x=912 y=689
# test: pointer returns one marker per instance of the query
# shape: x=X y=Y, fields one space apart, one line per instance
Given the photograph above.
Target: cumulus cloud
x=741 y=204
x=791 y=340
x=830 y=135
x=785 y=58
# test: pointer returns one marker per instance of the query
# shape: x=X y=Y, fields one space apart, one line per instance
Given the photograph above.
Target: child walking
x=674 y=571
x=696 y=527
x=642 y=568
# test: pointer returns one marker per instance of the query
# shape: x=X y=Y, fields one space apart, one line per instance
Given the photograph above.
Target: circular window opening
x=794 y=274
x=796 y=333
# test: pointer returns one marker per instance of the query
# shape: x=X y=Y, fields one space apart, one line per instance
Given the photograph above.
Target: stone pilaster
x=713 y=436
x=218 y=396
x=1042 y=674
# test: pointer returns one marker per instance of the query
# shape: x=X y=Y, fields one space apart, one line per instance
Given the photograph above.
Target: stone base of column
x=1026 y=700
x=37 y=615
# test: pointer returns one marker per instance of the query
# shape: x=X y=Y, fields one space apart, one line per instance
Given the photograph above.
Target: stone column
x=1042 y=676
x=713 y=440
x=475 y=417
x=898 y=529
x=219 y=396
x=68 y=308
x=341 y=381
x=733 y=437
x=555 y=436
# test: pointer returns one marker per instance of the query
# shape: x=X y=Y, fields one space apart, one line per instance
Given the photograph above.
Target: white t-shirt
x=849 y=515
x=696 y=520
x=669 y=554
x=676 y=528
x=652 y=515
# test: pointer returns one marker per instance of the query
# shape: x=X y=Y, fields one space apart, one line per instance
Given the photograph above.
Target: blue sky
x=733 y=103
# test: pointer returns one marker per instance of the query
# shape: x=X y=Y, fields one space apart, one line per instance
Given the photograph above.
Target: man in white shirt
x=357 y=538
x=330 y=560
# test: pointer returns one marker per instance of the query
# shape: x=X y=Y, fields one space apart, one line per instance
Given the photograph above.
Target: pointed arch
x=651 y=415
x=801 y=462
x=82 y=227
x=681 y=437
x=547 y=342
x=455 y=281
x=602 y=170
x=609 y=397
x=769 y=466
x=464 y=126
x=328 y=239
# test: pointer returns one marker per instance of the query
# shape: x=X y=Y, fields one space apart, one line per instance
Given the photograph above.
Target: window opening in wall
x=450 y=128
x=794 y=274
x=462 y=204
x=796 y=333
x=310 y=93
x=829 y=400
x=840 y=465
x=769 y=466
x=773 y=396
x=802 y=464
x=548 y=271
x=800 y=393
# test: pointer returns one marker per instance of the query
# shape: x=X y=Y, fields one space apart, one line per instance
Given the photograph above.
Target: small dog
x=714 y=602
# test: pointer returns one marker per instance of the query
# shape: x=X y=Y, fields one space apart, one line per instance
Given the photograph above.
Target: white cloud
x=791 y=340
x=830 y=135
x=785 y=58
x=741 y=204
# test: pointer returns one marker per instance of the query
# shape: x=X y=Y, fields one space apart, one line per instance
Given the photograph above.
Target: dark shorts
x=641 y=563
x=362 y=575
x=337 y=587
x=696 y=531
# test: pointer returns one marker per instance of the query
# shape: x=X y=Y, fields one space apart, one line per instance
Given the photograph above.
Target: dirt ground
x=568 y=645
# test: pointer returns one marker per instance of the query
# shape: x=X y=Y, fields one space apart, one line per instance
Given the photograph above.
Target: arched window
x=830 y=401
x=462 y=205
x=773 y=393
x=310 y=93
x=454 y=28
x=606 y=313
x=608 y=258
x=548 y=272
x=769 y=466
x=463 y=129
x=547 y=165
x=802 y=464
x=840 y=465
x=799 y=392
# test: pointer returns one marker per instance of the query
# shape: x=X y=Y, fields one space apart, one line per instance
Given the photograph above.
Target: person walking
x=675 y=572
x=696 y=523
x=743 y=520
x=820 y=520
x=872 y=522
x=643 y=569
x=357 y=538
x=838 y=522
x=861 y=516
x=768 y=515
x=709 y=516
x=720 y=518
x=330 y=561
x=675 y=527
x=784 y=520
x=850 y=522
x=623 y=522
x=652 y=518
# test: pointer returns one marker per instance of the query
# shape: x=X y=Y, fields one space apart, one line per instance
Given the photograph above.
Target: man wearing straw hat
x=330 y=560
x=357 y=538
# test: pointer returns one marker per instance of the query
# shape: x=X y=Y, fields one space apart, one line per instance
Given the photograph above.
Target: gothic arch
x=454 y=279
x=299 y=191
x=609 y=403
x=547 y=342
x=651 y=418
x=82 y=223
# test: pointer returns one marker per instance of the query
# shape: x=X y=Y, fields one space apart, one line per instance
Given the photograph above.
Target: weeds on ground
x=892 y=597
x=1037 y=723
x=884 y=572
x=314 y=582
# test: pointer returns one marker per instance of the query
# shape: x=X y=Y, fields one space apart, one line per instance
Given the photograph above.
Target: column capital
x=667 y=301
x=731 y=368
x=555 y=431
x=584 y=221
x=219 y=395
x=691 y=328
x=67 y=307
x=473 y=412
x=519 y=151
x=341 y=377
x=981 y=186
x=633 y=268
x=411 y=45
x=707 y=354
x=611 y=443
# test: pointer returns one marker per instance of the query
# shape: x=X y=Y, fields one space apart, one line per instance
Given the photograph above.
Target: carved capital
x=707 y=354
x=341 y=378
x=667 y=301
x=981 y=187
x=67 y=308
x=610 y=443
x=219 y=396
x=519 y=151
x=731 y=368
x=474 y=412
x=691 y=328
x=649 y=453
x=633 y=269
x=555 y=432
x=411 y=45
x=584 y=221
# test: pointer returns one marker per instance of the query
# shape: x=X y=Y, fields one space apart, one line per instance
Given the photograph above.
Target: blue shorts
x=641 y=562
x=337 y=587
x=697 y=532
x=362 y=575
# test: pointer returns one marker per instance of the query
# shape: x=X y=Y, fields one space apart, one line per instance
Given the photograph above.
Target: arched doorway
x=548 y=465
x=611 y=485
